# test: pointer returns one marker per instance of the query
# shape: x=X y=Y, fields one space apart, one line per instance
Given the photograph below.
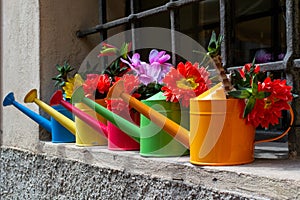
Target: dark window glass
x=143 y=5
x=259 y=31
x=199 y=19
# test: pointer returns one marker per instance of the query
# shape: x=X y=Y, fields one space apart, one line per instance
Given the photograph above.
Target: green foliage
x=250 y=93
x=63 y=75
x=124 y=50
x=214 y=44
x=149 y=90
x=90 y=70
x=116 y=69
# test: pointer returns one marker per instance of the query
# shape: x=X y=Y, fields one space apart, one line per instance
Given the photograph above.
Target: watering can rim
x=8 y=99
x=30 y=96
x=197 y=99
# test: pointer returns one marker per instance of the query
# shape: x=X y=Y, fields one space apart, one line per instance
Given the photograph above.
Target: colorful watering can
x=85 y=136
x=63 y=128
x=51 y=126
x=154 y=143
x=89 y=131
x=118 y=139
x=10 y=100
x=218 y=135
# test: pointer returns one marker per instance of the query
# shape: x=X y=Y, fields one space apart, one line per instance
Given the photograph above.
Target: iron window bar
x=132 y=24
x=172 y=5
x=297 y=63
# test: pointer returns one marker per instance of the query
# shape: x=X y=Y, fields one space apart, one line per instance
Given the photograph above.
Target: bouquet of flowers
x=265 y=98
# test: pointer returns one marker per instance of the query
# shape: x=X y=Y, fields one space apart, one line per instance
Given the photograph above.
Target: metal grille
x=286 y=67
x=227 y=24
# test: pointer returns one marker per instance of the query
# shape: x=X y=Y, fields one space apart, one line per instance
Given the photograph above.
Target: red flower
x=268 y=110
x=104 y=83
x=90 y=84
x=94 y=82
x=246 y=69
x=131 y=83
x=186 y=82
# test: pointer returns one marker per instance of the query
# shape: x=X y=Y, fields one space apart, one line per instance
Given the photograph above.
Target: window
x=265 y=29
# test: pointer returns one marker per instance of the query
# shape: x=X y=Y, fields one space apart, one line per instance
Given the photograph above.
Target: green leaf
x=109 y=50
x=253 y=62
x=56 y=83
x=123 y=49
x=249 y=106
x=212 y=43
x=254 y=85
x=62 y=84
x=240 y=94
x=262 y=95
x=56 y=79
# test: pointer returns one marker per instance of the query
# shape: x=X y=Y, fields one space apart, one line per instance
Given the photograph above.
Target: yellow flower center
x=187 y=84
x=268 y=104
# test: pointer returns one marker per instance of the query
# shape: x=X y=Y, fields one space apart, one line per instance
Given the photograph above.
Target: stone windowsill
x=271 y=178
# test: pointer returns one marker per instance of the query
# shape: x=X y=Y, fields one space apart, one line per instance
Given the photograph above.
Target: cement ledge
x=262 y=179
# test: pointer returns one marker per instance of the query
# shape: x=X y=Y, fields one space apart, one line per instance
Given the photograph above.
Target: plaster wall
x=37 y=35
x=20 y=68
x=59 y=22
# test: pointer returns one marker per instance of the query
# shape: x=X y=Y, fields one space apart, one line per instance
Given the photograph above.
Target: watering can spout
x=10 y=100
x=176 y=131
x=131 y=129
x=57 y=98
x=63 y=120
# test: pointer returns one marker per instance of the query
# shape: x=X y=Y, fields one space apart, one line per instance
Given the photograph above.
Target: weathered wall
x=21 y=71
x=37 y=35
x=59 y=21
x=1 y=121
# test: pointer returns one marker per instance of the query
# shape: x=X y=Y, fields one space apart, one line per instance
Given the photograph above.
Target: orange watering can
x=218 y=135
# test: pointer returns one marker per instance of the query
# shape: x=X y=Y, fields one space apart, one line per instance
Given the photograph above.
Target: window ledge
x=267 y=177
x=67 y=171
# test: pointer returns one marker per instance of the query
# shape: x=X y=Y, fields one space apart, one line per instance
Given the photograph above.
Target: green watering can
x=154 y=141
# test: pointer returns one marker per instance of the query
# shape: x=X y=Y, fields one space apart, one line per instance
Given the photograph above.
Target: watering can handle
x=282 y=134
